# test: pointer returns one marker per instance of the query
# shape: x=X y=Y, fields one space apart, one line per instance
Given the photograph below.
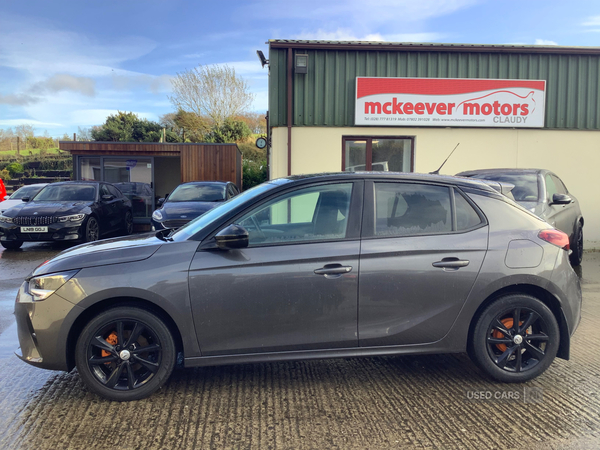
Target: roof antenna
x=437 y=172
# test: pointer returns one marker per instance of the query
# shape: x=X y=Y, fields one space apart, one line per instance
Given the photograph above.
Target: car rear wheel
x=11 y=245
x=515 y=339
x=125 y=353
x=128 y=229
x=577 y=247
x=92 y=230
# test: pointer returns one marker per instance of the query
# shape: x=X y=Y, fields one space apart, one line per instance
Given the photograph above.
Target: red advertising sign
x=445 y=102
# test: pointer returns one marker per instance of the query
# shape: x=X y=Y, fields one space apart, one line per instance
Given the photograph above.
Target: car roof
x=398 y=176
x=61 y=183
x=221 y=183
x=512 y=171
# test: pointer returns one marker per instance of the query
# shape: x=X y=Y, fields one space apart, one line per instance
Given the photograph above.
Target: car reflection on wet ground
x=438 y=401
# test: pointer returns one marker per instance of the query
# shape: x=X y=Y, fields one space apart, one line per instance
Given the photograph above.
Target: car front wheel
x=11 y=245
x=577 y=247
x=125 y=353
x=515 y=339
x=128 y=228
x=92 y=230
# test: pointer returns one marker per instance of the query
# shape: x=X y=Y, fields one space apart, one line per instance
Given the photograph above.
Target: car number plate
x=34 y=229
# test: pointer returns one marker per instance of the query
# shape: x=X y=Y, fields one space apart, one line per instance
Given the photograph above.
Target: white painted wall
x=573 y=155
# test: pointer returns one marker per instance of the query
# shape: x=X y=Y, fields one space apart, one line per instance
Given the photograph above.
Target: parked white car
x=17 y=197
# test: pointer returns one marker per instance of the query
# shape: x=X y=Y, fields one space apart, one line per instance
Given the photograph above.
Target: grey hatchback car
x=543 y=193
x=306 y=267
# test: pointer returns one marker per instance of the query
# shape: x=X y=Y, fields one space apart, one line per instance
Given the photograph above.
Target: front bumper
x=67 y=231
x=42 y=328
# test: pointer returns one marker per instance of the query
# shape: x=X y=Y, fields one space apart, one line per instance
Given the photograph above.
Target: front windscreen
x=67 y=193
x=198 y=193
x=526 y=184
x=25 y=191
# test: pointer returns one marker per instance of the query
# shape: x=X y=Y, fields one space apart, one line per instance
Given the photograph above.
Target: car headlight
x=157 y=215
x=6 y=219
x=73 y=218
x=40 y=288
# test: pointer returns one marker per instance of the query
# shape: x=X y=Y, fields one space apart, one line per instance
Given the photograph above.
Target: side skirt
x=315 y=354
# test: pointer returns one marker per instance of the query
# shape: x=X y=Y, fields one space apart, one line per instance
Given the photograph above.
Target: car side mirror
x=108 y=197
x=6 y=197
x=232 y=237
x=561 y=199
x=161 y=201
x=26 y=199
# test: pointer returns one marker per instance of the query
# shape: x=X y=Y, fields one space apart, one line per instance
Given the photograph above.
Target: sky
x=69 y=64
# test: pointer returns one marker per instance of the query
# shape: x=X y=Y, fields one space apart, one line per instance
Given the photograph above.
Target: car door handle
x=451 y=263
x=333 y=269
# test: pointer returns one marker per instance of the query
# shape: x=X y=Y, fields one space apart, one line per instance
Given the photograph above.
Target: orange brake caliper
x=508 y=323
x=112 y=340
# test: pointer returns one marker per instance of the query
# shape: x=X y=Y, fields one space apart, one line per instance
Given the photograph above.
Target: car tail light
x=555 y=237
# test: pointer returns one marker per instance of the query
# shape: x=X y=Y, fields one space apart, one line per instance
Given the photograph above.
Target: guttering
x=289 y=111
x=431 y=47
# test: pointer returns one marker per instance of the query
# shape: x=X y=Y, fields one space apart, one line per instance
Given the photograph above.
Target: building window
x=380 y=154
x=90 y=169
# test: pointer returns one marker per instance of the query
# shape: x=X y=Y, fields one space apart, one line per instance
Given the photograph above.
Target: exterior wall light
x=301 y=63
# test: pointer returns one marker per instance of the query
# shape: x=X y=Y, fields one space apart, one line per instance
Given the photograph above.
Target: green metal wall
x=325 y=95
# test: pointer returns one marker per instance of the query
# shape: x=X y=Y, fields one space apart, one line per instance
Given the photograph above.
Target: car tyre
x=11 y=245
x=125 y=353
x=128 y=229
x=92 y=230
x=577 y=247
x=514 y=354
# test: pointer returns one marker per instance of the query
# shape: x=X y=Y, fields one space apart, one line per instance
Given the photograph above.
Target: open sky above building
x=69 y=64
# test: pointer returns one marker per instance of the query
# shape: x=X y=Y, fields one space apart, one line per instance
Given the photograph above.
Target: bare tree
x=215 y=92
x=84 y=134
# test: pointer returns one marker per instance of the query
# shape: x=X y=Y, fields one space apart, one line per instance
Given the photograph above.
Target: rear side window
x=407 y=209
x=466 y=216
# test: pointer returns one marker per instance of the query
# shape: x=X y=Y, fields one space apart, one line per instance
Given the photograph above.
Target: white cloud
x=155 y=84
x=544 y=42
x=365 y=13
x=89 y=117
x=345 y=34
x=36 y=123
x=63 y=82
x=593 y=21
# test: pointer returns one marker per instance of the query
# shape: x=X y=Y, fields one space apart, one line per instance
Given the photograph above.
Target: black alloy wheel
x=92 y=230
x=11 y=245
x=577 y=247
x=125 y=353
x=516 y=338
x=128 y=223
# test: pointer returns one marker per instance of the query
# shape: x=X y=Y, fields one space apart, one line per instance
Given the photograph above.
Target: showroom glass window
x=310 y=214
x=90 y=169
x=378 y=154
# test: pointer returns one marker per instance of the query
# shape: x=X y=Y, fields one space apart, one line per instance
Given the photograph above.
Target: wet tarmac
x=371 y=403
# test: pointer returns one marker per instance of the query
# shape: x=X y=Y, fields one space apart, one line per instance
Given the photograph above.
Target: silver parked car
x=544 y=194
x=323 y=266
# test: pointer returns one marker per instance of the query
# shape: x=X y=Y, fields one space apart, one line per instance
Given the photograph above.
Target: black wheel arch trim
x=85 y=310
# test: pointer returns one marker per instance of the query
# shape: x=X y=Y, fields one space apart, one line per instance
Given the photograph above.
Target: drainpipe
x=289 y=111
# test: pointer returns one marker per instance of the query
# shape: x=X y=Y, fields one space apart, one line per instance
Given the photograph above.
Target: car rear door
x=295 y=287
x=422 y=248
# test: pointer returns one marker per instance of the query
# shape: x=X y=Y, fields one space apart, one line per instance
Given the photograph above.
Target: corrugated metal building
x=315 y=83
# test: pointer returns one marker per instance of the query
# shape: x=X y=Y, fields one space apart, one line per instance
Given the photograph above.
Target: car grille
x=175 y=223
x=34 y=220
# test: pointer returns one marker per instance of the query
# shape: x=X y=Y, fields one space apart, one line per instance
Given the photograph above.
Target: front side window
x=385 y=154
x=407 y=209
x=551 y=188
x=314 y=213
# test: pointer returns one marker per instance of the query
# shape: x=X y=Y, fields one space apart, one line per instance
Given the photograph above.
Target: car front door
x=294 y=287
x=422 y=249
x=562 y=216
